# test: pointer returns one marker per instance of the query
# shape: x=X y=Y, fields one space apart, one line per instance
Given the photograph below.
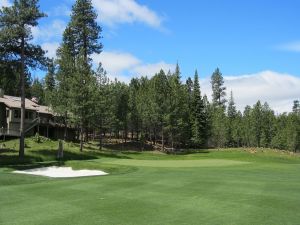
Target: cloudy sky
x=256 y=44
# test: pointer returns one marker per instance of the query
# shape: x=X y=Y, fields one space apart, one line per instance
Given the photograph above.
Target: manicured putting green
x=178 y=163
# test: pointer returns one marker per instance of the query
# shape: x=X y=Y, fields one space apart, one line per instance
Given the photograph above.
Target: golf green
x=230 y=187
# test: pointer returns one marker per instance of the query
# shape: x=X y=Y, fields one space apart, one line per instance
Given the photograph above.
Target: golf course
x=232 y=186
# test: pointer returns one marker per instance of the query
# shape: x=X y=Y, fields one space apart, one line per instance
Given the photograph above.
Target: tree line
x=161 y=110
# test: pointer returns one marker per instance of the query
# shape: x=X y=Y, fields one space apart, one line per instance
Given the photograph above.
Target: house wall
x=3 y=116
x=14 y=123
x=13 y=119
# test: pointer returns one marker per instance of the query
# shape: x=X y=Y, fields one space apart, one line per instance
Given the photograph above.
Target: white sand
x=54 y=171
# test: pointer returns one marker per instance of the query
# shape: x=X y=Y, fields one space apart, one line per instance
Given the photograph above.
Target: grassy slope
x=264 y=191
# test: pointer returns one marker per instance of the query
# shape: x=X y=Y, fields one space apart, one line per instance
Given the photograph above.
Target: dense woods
x=163 y=110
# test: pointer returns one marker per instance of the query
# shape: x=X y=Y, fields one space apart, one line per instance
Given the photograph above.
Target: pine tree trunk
x=81 y=137
x=22 y=125
x=162 y=139
x=65 y=126
x=100 y=138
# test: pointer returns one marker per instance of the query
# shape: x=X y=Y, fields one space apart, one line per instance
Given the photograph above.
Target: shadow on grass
x=35 y=165
x=6 y=150
x=110 y=154
x=13 y=160
x=10 y=157
x=51 y=154
x=129 y=146
x=193 y=151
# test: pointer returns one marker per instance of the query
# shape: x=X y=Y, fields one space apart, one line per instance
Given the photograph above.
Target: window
x=28 y=115
x=17 y=113
x=7 y=113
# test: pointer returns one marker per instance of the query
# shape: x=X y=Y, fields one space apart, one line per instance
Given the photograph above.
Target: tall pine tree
x=15 y=46
x=199 y=132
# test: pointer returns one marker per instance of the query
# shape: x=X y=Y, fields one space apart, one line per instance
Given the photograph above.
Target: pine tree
x=296 y=107
x=60 y=99
x=231 y=114
x=160 y=90
x=84 y=30
x=102 y=113
x=37 y=90
x=80 y=41
x=50 y=77
x=268 y=118
x=246 y=127
x=15 y=36
x=81 y=95
x=218 y=89
x=134 y=116
x=256 y=124
x=199 y=135
x=178 y=117
x=50 y=83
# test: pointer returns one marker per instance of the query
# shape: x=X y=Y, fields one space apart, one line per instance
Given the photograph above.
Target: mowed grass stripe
x=178 y=163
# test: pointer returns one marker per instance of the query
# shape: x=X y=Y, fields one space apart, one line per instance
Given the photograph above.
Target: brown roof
x=44 y=109
x=15 y=102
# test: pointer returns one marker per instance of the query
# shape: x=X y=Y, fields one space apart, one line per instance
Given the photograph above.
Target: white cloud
x=292 y=46
x=4 y=3
x=278 y=89
x=125 y=66
x=151 y=69
x=51 y=48
x=112 y=12
x=53 y=30
x=116 y=62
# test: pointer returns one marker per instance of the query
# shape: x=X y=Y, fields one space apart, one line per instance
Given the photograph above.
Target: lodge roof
x=15 y=102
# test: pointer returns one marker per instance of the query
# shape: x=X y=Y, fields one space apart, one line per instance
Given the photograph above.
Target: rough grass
x=237 y=186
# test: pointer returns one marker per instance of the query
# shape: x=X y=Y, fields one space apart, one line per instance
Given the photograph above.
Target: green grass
x=231 y=186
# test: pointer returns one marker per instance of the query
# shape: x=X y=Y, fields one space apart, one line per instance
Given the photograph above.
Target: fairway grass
x=147 y=188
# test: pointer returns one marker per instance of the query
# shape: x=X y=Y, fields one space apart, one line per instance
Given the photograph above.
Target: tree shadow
x=111 y=154
x=35 y=165
x=13 y=160
x=129 y=146
x=186 y=151
x=6 y=150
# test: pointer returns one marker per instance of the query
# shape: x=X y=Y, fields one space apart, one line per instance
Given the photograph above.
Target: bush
x=37 y=138
x=40 y=139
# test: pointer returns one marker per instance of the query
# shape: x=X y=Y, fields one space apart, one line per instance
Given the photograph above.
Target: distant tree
x=37 y=90
x=199 y=132
x=296 y=107
x=231 y=114
x=134 y=116
x=268 y=120
x=256 y=124
x=178 y=115
x=218 y=89
x=16 y=22
x=246 y=127
x=218 y=127
x=50 y=77
x=159 y=94
x=50 y=83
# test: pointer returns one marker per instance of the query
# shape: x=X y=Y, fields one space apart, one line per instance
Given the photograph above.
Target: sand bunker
x=54 y=171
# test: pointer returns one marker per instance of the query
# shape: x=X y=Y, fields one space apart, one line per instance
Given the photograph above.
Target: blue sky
x=255 y=43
